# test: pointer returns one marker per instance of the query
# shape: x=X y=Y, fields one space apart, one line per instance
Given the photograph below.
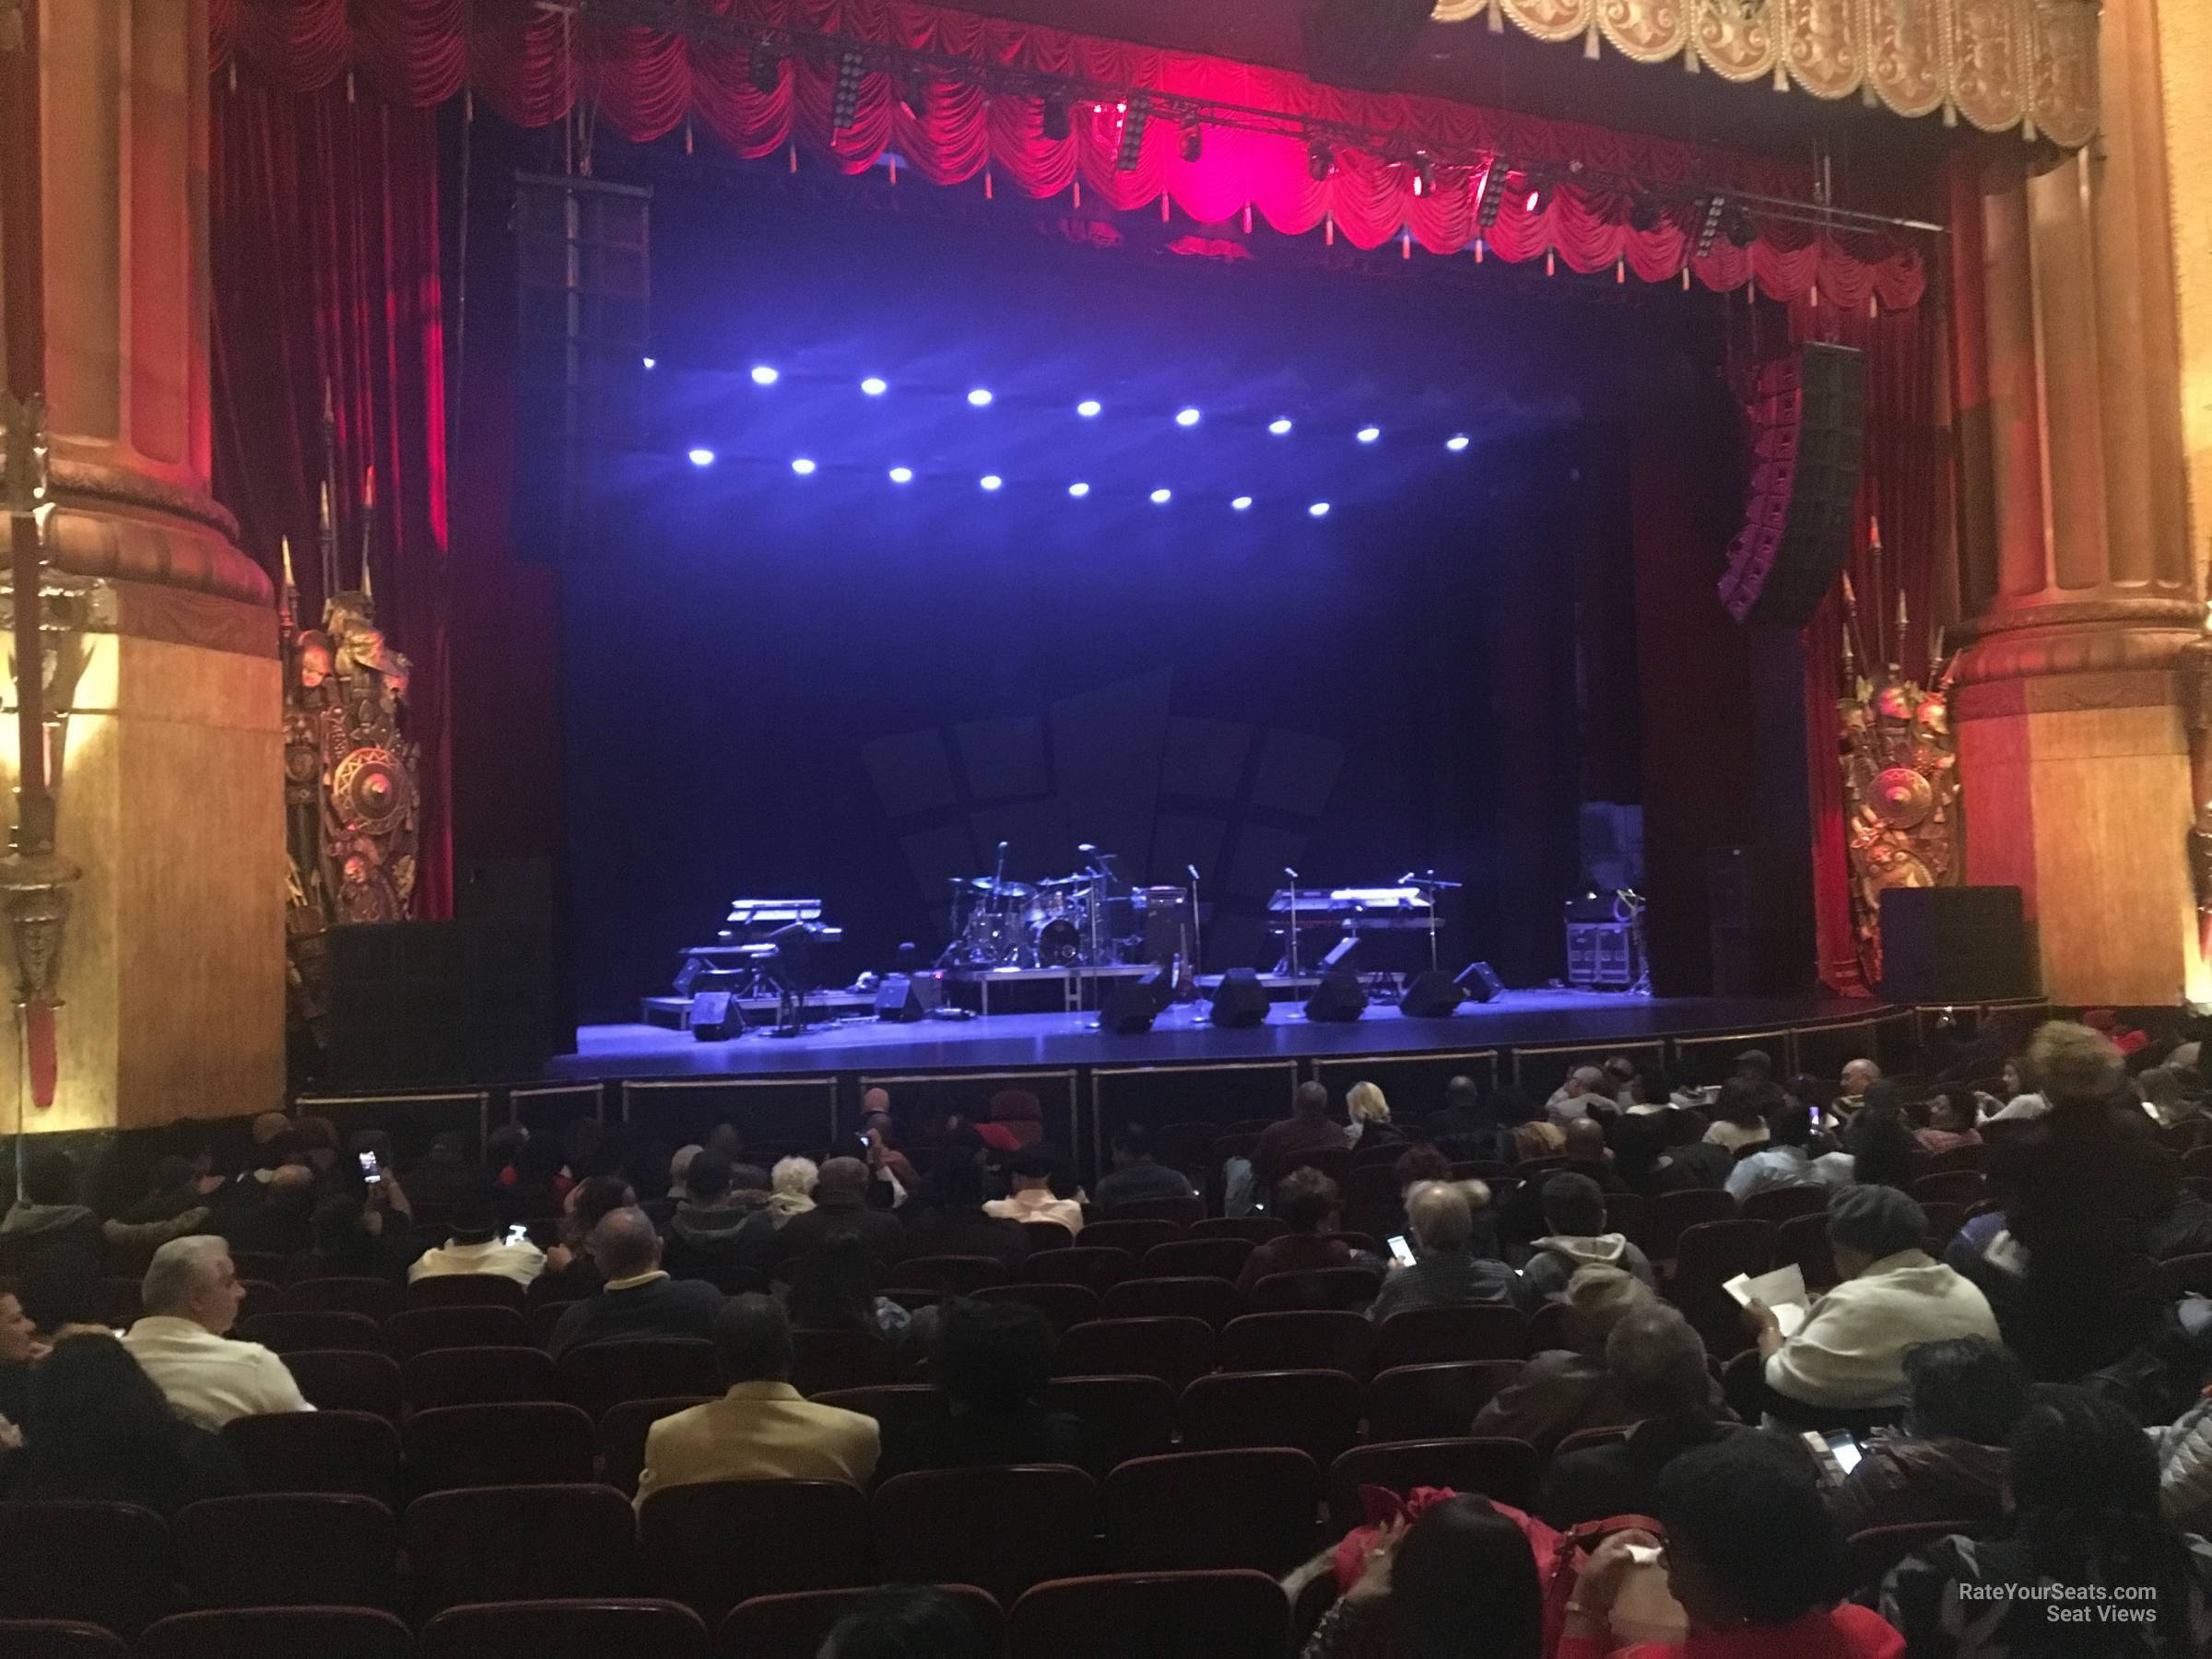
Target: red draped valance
x=531 y=65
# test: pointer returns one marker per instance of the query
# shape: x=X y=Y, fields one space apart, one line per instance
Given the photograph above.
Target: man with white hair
x=1571 y=1099
x=190 y=1295
x=1858 y=1076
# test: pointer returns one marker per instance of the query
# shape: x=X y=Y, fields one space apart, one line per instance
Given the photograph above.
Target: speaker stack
x=1808 y=433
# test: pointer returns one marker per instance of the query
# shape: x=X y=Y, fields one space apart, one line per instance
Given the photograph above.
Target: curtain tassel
x=792 y=152
x=1328 y=229
x=1404 y=244
x=989 y=193
x=1551 y=262
x=1163 y=206
x=1478 y=250
x=1620 y=271
x=1079 y=194
x=1248 y=218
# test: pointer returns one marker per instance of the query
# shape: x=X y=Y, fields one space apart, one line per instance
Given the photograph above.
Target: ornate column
x=166 y=725
x=2074 y=693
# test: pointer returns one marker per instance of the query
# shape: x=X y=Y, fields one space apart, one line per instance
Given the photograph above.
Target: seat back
x=1335 y=1340
x=1438 y=1336
x=1196 y=1257
x=1121 y=1416
x=281 y=1549
x=379 y=1299
x=1582 y=1439
x=600 y=1376
x=1802 y=1241
x=714 y=1544
x=1777 y=1205
x=46 y=1548
x=1062 y=1305
x=622 y=1433
x=59 y=1639
x=1120 y=1232
x=1428 y=1402
x=318 y=1452
x=1183 y=1212
x=1160 y=1615
x=1624 y=1214
x=906 y=1414
x=1002 y=1529
x=1315 y=1287
x=1707 y=1257
x=1215 y=1301
x=953 y=1275
x=632 y=1627
x=1317 y=1411
x=348 y=1380
x=799 y=1622
x=825 y=1361
x=1244 y=1508
x=419 y=1330
x=1869 y=1554
x=1505 y=1470
x=477 y=1376
x=1256 y=1230
x=519 y=1544
x=1097 y=1266
x=289 y=1332
x=1176 y=1350
x=467 y=1290
x=279 y=1633
x=540 y=1442
x=1046 y=1235
x=1667 y=1214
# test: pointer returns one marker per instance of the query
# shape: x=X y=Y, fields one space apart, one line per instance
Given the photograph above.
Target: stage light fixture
x=1492 y=197
x=990 y=480
x=1319 y=510
x=1161 y=498
x=803 y=466
x=1457 y=442
x=980 y=397
x=765 y=376
x=1186 y=417
x=1320 y=161
x=875 y=385
x=1534 y=201
x=1423 y=176
x=701 y=457
x=1736 y=226
x=1078 y=490
x=1239 y=503
x=1645 y=210
x=647 y=362
x=1088 y=407
x=764 y=69
x=1368 y=434
x=1052 y=119
x=1193 y=139
x=1710 y=226
x=1280 y=426
x=902 y=475
x=845 y=104
x=1132 y=138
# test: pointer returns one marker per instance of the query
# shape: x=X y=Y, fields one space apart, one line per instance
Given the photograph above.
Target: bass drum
x=1059 y=944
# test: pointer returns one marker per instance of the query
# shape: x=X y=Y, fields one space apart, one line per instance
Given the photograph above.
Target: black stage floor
x=1182 y=1038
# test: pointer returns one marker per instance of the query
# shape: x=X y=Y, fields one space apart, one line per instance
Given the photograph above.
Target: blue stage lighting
x=902 y=475
x=875 y=385
x=1319 y=510
x=764 y=376
x=1368 y=434
x=1161 y=498
x=1240 y=503
x=1457 y=442
x=1078 y=490
x=1280 y=426
x=803 y=466
x=990 y=480
x=647 y=362
x=702 y=457
x=980 y=397
x=1088 y=407
x=1186 y=417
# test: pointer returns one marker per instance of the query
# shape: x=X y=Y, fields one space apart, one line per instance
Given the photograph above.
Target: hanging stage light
x=1423 y=176
x=1736 y=226
x=1645 y=212
x=1320 y=161
x=1492 y=197
x=1052 y=119
x=764 y=67
x=844 y=105
x=1132 y=137
x=1194 y=138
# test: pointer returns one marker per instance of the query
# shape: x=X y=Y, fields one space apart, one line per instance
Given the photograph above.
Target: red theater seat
x=1097 y=1266
x=1215 y=1301
x=1506 y=1470
x=378 y=1299
x=318 y=1452
x=477 y=1376
x=1183 y=1212
x=279 y=1633
x=771 y=1627
x=1119 y=1232
x=1316 y=1288
x=715 y=1544
x=419 y=1330
x=289 y=1332
x=520 y=1543
x=575 y=1629
x=1062 y=1305
x=1439 y=1336
x=622 y=1433
x=1333 y=1339
x=1255 y=1230
x=1250 y=1508
x=46 y=1550
x=467 y=1290
x=1158 y=1615
x=347 y=1379
x=952 y=1275
x=274 y=1549
x=1316 y=1411
x=516 y=1443
x=1177 y=1351
x=1122 y=1417
x=599 y=1377
x=1429 y=1402
x=825 y=1361
x=1002 y=1529
x=59 y=1639
x=1196 y=1258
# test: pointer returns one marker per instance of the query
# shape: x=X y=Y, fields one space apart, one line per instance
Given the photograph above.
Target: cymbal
x=1005 y=890
x=1081 y=879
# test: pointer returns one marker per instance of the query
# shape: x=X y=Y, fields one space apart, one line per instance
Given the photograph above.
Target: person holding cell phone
x=478 y=1244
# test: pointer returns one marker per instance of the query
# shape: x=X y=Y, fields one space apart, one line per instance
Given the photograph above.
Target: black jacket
x=968 y=1232
x=1599 y=1481
x=660 y=1307
x=836 y=1217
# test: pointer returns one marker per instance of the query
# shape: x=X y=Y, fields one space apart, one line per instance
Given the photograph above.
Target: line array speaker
x=1808 y=431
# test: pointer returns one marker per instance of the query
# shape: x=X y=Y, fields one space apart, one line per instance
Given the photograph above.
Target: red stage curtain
x=531 y=64
x=323 y=232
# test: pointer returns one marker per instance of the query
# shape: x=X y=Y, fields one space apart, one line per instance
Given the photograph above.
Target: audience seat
x=1118 y=1232
x=1175 y=1351
x=1336 y=1162
x=1802 y=1241
x=1244 y=1507
x=1316 y=1411
x=1958 y=1158
x=2189 y=1273
x=345 y=1452
x=477 y=1376
x=467 y=1290
x=955 y=1274
x=1002 y=1529
x=604 y=1375
x=1196 y=1258
x=794 y=1626
x=1257 y=1229
x=59 y=1639
x=906 y=1413
x=1547 y=1327
x=1582 y=1439
x=378 y=1299
x=1160 y=1616
x=419 y=1330
x=1869 y=1554
x=1369 y=1191
x=1624 y=1214
x=714 y=1544
x=289 y=1333
x=1950 y=1186
x=530 y=1444
x=1507 y=1470
x=1216 y=1301
x=541 y=1319
x=577 y=1629
x=823 y=1362
x=622 y=1437
x=1315 y=1287
x=1706 y=1256
x=268 y=1265
x=1183 y=1212
x=1944 y=1220
x=1122 y=1417
x=1062 y=1305
x=1777 y=1205
x=1667 y=1215
x=1439 y=1336
x=520 y=1543
x=1333 y=1339
x=274 y=1549
x=44 y=1549
x=348 y=1380
x=1429 y=1402
x=279 y=1633
x=1096 y=1265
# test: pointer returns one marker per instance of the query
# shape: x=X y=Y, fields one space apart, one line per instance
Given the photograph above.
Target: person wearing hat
x=477 y=1246
x=1849 y=1355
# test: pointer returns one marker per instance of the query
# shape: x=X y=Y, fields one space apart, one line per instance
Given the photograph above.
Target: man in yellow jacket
x=761 y=1429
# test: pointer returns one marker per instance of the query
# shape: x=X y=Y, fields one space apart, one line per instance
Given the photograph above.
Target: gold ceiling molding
x=2030 y=65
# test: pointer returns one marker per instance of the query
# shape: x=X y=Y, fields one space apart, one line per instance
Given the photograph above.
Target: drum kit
x=1086 y=920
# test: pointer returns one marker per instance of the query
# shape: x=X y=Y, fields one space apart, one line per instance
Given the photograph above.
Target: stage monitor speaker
x=1338 y=999
x=1955 y=945
x=582 y=251
x=1130 y=1005
x=901 y=998
x=1362 y=42
x=1240 y=1000
x=716 y=1017
x=1480 y=982
x=1808 y=432
x=1431 y=996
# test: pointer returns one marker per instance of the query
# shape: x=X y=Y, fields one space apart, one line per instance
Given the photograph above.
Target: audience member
x=789 y=1189
x=190 y=1295
x=1740 y=1115
x=1693 y=1159
x=1951 y=1117
x=352 y=1242
x=1137 y=1177
x=2184 y=1453
x=1643 y=1158
x=1370 y=1113
x=101 y=1432
x=535 y=1185
x=1963 y=1398
x=840 y=1210
x=2021 y=1091
x=1583 y=1151
x=1445 y=1272
x=173 y=1189
x=1571 y=1099
x=1384 y=1216
x=19 y=1351
x=714 y=1229
x=949 y=1217
x=1858 y=1075
x=477 y=1245
x=904 y=1621
x=1307 y=1129
x=991 y=1363
x=1879 y=1145
x=1657 y=1362
x=1034 y=1169
x=54 y=1247
x=1524 y=1130
x=2174 y=1095
x=1754 y=1066
x=1785 y=1159
x=1562 y=1390
x=1849 y=1355
x=1460 y=1579
x=445 y=1176
x=2084 y=1486
x=834 y=1289
x=1465 y=1122
x=635 y=1298
x=760 y=1429
x=569 y=1262
x=1750 y=1556
x=1305 y=1202
x=1574 y=1217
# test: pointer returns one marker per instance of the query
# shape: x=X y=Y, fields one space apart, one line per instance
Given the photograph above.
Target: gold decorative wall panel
x=1998 y=65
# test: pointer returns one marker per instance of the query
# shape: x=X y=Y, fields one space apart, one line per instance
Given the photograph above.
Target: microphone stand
x=1197 y=928
x=1293 y=875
